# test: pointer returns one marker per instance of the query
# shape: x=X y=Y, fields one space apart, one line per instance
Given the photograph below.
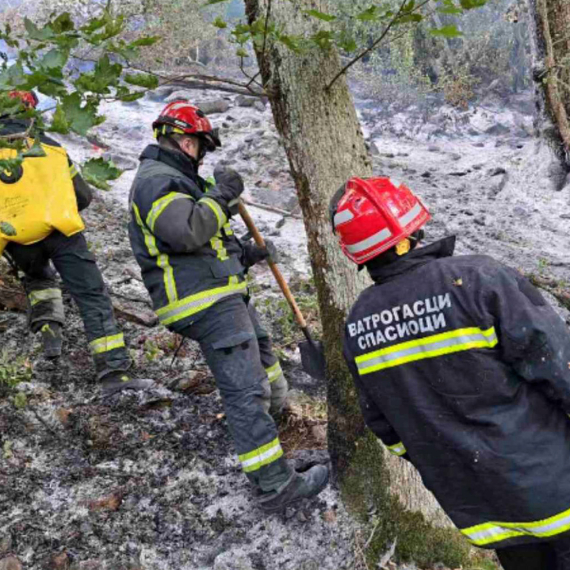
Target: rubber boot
x=300 y=486
x=116 y=382
x=51 y=339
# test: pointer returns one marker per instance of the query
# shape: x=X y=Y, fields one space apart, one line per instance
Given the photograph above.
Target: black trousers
x=78 y=269
x=238 y=352
x=546 y=555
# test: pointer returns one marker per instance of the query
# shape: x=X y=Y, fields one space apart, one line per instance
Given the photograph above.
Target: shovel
x=312 y=351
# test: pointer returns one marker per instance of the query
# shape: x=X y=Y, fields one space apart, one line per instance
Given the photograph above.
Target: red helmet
x=28 y=98
x=183 y=118
x=373 y=215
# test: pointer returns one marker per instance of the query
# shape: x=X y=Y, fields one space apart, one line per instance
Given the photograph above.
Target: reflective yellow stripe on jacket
x=161 y=258
x=495 y=532
x=193 y=304
x=428 y=347
x=160 y=205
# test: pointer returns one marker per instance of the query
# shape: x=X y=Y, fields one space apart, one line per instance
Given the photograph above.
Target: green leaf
x=242 y=52
x=471 y=4
x=104 y=76
x=219 y=23
x=323 y=39
x=94 y=25
x=291 y=42
x=321 y=15
x=369 y=15
x=36 y=151
x=12 y=78
x=142 y=80
x=130 y=96
x=7 y=449
x=59 y=123
x=409 y=18
x=452 y=10
x=80 y=117
x=63 y=23
x=99 y=171
x=447 y=32
x=7 y=229
x=20 y=400
x=54 y=59
x=348 y=45
x=35 y=33
x=145 y=41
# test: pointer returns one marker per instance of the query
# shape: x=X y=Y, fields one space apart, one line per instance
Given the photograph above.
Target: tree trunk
x=325 y=146
x=550 y=43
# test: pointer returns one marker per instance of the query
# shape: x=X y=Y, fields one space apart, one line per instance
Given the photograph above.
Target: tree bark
x=325 y=146
x=550 y=44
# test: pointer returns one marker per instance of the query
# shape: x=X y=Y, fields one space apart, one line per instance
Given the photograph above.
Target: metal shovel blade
x=313 y=358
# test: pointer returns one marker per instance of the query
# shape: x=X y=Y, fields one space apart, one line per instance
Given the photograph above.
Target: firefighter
x=463 y=369
x=194 y=269
x=34 y=243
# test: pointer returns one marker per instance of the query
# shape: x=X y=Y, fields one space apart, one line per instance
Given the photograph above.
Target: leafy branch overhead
x=336 y=31
x=45 y=59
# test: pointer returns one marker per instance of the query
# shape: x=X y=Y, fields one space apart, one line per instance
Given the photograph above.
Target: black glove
x=229 y=186
x=253 y=254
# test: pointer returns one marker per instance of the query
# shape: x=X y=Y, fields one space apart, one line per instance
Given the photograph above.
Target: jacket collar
x=177 y=160
x=414 y=259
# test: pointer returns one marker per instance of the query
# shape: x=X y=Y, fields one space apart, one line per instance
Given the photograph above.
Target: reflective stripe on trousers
x=428 y=347
x=264 y=455
x=195 y=303
x=492 y=533
x=107 y=343
x=36 y=297
x=274 y=372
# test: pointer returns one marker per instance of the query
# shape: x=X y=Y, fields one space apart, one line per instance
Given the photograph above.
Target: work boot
x=51 y=339
x=300 y=486
x=116 y=382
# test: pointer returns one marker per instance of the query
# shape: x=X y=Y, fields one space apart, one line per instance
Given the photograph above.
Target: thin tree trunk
x=325 y=146
x=550 y=44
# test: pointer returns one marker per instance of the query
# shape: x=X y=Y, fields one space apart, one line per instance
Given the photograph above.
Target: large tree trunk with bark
x=550 y=43
x=325 y=146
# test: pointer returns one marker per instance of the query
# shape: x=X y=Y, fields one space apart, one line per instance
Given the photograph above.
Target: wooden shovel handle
x=248 y=220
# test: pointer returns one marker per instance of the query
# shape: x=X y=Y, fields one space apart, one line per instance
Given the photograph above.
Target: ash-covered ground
x=152 y=482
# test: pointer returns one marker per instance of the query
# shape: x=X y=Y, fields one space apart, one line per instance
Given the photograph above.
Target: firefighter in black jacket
x=463 y=369
x=66 y=248
x=194 y=269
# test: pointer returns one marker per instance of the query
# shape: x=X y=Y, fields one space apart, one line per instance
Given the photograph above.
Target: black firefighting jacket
x=463 y=368
x=181 y=238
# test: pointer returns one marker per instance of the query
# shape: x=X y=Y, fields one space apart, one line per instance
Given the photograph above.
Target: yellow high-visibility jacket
x=38 y=198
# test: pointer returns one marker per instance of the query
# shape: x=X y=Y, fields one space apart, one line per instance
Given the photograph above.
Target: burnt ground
x=152 y=482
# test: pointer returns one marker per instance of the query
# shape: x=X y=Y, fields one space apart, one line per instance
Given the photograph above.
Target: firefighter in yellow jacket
x=40 y=226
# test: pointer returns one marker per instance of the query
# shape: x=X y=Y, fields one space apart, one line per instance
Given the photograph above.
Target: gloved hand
x=229 y=187
x=253 y=254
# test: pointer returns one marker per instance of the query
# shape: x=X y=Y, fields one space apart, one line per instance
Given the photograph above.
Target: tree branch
x=373 y=46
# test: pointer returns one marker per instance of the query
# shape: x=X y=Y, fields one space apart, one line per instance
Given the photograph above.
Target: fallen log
x=284 y=213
